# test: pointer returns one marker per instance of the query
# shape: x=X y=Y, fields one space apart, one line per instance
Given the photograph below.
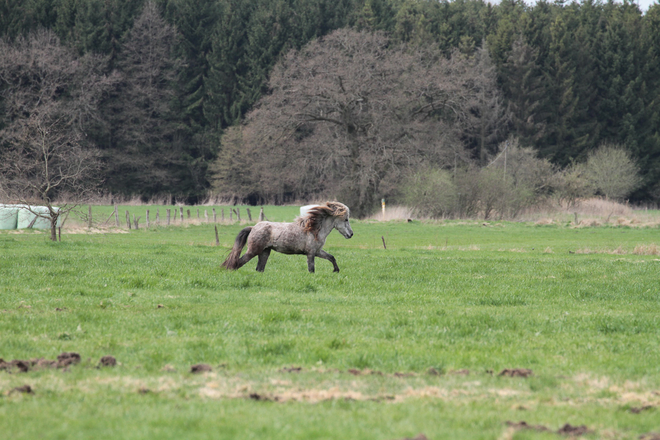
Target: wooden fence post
x=158 y=216
x=215 y=218
x=188 y=212
x=128 y=220
x=197 y=213
x=147 y=219
x=116 y=217
x=231 y=215
x=222 y=211
x=136 y=221
x=238 y=214
x=168 y=217
x=206 y=216
x=249 y=214
x=217 y=240
x=261 y=214
x=181 y=213
x=89 y=218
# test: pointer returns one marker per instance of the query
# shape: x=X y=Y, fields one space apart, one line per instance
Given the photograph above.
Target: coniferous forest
x=167 y=91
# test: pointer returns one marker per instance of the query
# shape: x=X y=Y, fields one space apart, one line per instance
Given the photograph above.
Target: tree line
x=178 y=86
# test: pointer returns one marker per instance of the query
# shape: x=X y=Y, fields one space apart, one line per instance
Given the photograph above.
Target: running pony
x=305 y=236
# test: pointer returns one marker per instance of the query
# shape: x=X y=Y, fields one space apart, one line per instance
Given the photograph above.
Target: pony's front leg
x=310 y=263
x=326 y=256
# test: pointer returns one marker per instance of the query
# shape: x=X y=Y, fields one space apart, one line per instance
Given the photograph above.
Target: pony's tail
x=231 y=262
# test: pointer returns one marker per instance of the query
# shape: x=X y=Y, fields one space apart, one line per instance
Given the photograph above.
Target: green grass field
x=405 y=340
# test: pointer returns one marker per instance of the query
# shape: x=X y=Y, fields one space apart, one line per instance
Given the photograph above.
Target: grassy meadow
x=405 y=340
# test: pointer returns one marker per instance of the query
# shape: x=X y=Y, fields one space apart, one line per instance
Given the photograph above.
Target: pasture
x=405 y=340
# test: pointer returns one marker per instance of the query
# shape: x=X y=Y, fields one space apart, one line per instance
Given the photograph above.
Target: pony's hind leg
x=326 y=256
x=245 y=258
x=263 y=259
x=251 y=252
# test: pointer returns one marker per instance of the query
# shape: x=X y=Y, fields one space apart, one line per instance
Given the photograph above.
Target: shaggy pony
x=305 y=236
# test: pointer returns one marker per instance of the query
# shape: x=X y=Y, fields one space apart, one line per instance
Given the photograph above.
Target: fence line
x=90 y=218
x=133 y=220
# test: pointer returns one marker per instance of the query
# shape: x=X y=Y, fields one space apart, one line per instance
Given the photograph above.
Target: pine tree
x=559 y=143
x=195 y=21
x=227 y=64
x=501 y=39
x=144 y=152
x=522 y=83
x=648 y=152
x=406 y=21
x=491 y=116
x=366 y=18
x=100 y=25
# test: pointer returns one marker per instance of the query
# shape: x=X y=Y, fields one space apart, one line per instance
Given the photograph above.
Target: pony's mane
x=313 y=221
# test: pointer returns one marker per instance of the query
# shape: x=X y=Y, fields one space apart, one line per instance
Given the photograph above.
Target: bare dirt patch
x=200 y=368
x=23 y=366
x=419 y=436
x=25 y=389
x=571 y=430
x=639 y=409
x=524 y=425
x=15 y=366
x=516 y=372
x=260 y=397
x=311 y=396
x=65 y=359
x=107 y=361
x=567 y=429
x=365 y=372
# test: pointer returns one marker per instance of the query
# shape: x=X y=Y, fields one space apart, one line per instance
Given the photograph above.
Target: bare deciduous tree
x=349 y=113
x=431 y=193
x=612 y=172
x=231 y=171
x=573 y=185
x=49 y=94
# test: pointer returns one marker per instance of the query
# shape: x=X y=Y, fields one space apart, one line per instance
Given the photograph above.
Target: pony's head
x=338 y=212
